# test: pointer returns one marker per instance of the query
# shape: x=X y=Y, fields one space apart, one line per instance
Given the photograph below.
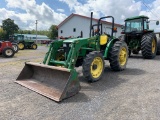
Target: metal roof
x=33 y=36
x=72 y=15
x=136 y=17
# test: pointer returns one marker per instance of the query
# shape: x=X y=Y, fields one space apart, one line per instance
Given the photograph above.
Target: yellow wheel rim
x=96 y=67
x=21 y=45
x=123 y=56
x=34 y=46
x=153 y=45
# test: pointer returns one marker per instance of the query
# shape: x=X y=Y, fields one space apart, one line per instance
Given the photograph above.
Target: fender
x=109 y=45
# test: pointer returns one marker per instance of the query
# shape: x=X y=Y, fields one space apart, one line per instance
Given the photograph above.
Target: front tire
x=8 y=52
x=149 y=46
x=118 y=56
x=21 y=46
x=93 y=66
x=15 y=47
x=34 y=46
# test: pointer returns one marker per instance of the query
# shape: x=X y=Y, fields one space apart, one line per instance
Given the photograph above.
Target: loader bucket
x=56 y=83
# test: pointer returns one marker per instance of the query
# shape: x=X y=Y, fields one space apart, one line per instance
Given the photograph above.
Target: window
x=74 y=29
x=61 y=31
x=134 y=25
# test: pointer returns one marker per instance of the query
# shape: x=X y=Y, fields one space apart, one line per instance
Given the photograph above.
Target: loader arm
x=76 y=47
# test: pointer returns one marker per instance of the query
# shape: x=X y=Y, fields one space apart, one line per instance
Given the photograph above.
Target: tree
x=53 y=32
x=10 y=27
x=2 y=34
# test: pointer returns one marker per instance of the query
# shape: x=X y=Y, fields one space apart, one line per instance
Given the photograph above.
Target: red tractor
x=6 y=49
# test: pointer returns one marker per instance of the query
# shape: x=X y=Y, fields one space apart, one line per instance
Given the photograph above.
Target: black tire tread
x=32 y=46
x=114 y=56
x=87 y=63
x=4 y=54
x=146 y=45
x=16 y=46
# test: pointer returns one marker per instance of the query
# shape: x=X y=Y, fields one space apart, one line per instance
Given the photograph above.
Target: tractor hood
x=73 y=40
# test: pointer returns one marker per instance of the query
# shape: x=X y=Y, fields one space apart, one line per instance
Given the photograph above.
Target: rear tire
x=158 y=46
x=15 y=47
x=8 y=52
x=93 y=66
x=118 y=56
x=149 y=45
x=21 y=46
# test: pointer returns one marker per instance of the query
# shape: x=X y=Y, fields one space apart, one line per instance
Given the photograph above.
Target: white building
x=75 y=25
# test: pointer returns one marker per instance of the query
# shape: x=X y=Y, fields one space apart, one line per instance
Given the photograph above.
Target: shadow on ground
x=109 y=80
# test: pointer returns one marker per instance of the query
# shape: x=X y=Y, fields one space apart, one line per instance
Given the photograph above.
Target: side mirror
x=157 y=22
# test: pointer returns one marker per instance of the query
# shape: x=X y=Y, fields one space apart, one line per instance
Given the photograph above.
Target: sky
x=49 y=12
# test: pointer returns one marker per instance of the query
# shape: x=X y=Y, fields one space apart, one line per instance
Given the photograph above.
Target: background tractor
x=6 y=49
x=138 y=36
x=57 y=78
x=22 y=42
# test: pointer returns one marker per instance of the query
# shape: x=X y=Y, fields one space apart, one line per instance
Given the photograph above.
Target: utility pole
x=36 y=29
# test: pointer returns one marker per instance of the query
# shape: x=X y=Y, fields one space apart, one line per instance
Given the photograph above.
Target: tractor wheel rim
x=123 y=56
x=96 y=67
x=9 y=52
x=20 y=45
x=34 y=46
x=153 y=46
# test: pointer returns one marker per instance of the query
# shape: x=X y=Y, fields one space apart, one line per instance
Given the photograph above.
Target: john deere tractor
x=56 y=78
x=138 y=36
x=23 y=43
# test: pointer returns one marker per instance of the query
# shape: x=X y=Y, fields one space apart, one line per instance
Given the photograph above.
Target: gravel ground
x=132 y=94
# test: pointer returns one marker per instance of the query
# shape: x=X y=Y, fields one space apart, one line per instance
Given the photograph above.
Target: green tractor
x=138 y=37
x=57 y=79
x=23 y=43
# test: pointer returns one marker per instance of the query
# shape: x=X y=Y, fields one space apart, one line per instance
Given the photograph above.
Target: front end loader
x=57 y=79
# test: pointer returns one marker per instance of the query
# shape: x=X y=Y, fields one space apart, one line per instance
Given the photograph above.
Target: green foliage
x=2 y=34
x=53 y=32
x=39 y=32
x=10 y=27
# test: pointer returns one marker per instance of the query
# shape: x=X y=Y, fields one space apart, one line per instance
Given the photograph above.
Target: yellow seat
x=103 y=39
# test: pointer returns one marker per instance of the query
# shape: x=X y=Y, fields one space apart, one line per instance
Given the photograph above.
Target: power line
x=157 y=13
x=149 y=9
